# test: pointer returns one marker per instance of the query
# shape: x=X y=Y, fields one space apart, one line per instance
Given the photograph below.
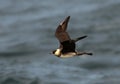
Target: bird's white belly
x=67 y=55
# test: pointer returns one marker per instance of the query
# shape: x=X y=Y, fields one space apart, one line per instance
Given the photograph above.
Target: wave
x=16 y=80
x=101 y=64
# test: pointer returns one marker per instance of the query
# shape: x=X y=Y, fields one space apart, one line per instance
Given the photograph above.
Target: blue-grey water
x=27 y=37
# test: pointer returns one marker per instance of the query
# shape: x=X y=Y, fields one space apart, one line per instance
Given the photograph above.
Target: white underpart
x=67 y=55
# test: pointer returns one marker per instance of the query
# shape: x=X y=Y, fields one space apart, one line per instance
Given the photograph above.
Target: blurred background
x=27 y=37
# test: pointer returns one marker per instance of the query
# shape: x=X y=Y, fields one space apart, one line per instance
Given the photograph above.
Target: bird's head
x=53 y=52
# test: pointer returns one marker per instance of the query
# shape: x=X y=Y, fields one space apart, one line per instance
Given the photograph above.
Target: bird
x=67 y=46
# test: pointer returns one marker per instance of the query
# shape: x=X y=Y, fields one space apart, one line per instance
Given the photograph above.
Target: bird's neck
x=58 y=52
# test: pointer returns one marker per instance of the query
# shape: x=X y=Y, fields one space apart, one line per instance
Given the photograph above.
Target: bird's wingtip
x=68 y=16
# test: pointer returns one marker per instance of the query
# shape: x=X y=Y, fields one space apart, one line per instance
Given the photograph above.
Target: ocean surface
x=27 y=37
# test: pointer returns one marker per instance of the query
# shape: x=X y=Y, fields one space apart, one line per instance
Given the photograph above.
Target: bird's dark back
x=68 y=46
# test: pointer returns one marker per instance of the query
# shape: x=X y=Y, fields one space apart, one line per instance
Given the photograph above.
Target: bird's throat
x=58 y=52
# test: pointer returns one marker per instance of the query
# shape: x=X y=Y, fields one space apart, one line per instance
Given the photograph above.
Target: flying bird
x=67 y=46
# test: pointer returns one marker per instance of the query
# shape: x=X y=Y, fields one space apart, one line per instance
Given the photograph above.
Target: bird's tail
x=84 y=53
x=79 y=38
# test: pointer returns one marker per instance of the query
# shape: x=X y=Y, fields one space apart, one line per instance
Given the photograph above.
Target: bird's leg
x=84 y=53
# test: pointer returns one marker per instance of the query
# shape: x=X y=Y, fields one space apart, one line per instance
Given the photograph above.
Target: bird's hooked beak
x=50 y=53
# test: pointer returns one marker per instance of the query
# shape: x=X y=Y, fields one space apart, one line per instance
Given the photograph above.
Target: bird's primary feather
x=61 y=33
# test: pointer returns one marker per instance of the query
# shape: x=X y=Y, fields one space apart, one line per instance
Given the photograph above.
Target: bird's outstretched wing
x=61 y=33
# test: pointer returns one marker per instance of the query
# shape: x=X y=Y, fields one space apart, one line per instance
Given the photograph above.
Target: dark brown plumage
x=67 y=45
